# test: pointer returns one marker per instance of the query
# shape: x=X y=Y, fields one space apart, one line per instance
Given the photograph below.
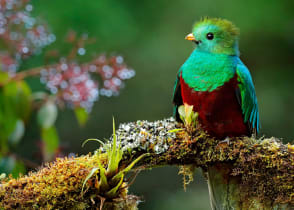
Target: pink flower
x=22 y=34
x=73 y=83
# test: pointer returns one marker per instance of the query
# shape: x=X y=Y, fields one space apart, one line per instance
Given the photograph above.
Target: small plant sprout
x=2 y=176
x=188 y=116
x=109 y=175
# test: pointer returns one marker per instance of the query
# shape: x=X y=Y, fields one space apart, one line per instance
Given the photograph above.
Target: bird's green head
x=215 y=35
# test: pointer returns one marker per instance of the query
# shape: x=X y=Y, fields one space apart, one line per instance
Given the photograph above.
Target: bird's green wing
x=177 y=96
x=247 y=96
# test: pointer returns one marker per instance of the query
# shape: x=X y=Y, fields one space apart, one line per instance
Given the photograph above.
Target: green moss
x=261 y=169
x=265 y=167
x=84 y=182
x=58 y=185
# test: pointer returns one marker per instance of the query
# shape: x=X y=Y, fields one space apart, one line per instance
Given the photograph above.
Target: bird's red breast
x=220 y=113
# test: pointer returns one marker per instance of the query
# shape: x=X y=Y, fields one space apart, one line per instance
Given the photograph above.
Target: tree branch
x=243 y=173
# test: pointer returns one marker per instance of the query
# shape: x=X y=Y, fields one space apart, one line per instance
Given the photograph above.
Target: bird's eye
x=209 y=36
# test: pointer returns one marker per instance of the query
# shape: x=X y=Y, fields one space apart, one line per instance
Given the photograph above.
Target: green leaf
x=187 y=115
x=4 y=77
x=175 y=130
x=114 y=154
x=103 y=183
x=182 y=112
x=98 y=140
x=19 y=94
x=8 y=118
x=15 y=104
x=81 y=115
x=47 y=115
x=2 y=176
x=51 y=142
x=127 y=169
x=112 y=193
x=18 y=133
x=194 y=118
x=92 y=172
x=24 y=100
x=189 y=112
x=19 y=168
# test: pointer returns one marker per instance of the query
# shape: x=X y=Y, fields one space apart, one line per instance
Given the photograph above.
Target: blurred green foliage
x=150 y=35
x=15 y=107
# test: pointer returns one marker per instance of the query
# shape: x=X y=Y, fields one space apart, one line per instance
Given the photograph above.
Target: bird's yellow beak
x=190 y=37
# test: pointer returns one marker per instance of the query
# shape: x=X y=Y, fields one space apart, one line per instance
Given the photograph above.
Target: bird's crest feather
x=222 y=23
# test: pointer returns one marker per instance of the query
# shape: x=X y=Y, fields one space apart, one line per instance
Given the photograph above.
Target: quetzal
x=217 y=83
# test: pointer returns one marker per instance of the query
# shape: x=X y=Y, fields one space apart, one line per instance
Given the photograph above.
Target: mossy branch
x=243 y=173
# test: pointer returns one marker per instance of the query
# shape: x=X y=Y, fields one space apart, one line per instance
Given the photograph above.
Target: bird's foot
x=225 y=141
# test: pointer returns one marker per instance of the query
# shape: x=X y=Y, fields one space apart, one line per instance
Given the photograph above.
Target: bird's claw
x=226 y=140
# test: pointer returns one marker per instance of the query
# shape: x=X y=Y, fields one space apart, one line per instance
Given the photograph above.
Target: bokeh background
x=150 y=36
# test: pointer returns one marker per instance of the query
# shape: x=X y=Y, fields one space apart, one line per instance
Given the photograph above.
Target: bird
x=217 y=83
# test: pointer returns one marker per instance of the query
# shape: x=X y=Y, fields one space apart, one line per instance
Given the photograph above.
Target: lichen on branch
x=262 y=169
